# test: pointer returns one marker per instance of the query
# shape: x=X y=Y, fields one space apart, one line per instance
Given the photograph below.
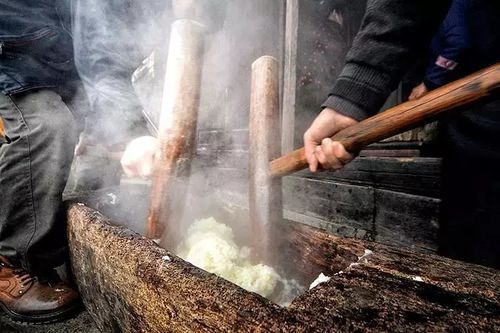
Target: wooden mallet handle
x=265 y=201
x=402 y=117
x=178 y=119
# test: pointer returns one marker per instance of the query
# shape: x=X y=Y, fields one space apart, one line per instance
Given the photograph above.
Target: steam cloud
x=114 y=39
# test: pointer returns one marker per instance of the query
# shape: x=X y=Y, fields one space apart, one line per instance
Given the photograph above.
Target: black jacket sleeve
x=392 y=35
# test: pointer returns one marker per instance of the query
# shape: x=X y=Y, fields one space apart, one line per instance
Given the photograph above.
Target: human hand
x=418 y=92
x=138 y=158
x=320 y=149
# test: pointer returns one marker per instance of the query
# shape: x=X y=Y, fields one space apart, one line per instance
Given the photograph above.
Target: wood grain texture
x=412 y=175
x=178 y=119
x=290 y=75
x=129 y=284
x=265 y=202
x=404 y=116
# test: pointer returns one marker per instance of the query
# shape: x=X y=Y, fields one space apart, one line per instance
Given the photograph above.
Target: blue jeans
x=34 y=168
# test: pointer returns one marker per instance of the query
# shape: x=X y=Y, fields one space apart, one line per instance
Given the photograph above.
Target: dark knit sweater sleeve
x=392 y=35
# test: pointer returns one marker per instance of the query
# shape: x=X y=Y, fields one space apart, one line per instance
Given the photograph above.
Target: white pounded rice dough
x=210 y=245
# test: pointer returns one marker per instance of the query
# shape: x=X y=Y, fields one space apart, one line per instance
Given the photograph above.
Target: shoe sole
x=46 y=318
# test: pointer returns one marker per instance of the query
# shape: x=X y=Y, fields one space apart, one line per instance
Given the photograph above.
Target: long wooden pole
x=177 y=130
x=402 y=117
x=265 y=202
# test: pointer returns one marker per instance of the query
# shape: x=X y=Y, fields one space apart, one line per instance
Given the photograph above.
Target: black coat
x=36 y=48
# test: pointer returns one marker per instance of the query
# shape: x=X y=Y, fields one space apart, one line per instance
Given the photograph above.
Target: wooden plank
x=390 y=290
x=420 y=176
x=335 y=229
x=295 y=195
x=290 y=76
x=347 y=204
x=406 y=220
x=413 y=175
x=390 y=153
x=388 y=217
x=330 y=204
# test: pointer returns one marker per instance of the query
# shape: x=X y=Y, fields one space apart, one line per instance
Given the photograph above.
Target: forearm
x=391 y=37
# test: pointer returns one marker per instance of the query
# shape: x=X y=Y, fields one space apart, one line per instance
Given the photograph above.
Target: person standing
x=390 y=39
x=41 y=68
x=51 y=50
x=467 y=41
x=37 y=80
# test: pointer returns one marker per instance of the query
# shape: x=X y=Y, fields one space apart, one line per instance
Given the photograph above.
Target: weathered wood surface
x=396 y=290
x=391 y=200
x=290 y=75
x=178 y=120
x=402 y=117
x=363 y=212
x=129 y=284
x=358 y=207
x=412 y=175
x=228 y=150
x=265 y=202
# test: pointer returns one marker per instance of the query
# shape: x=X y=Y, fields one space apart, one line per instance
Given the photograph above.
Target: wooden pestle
x=178 y=119
x=265 y=200
x=402 y=117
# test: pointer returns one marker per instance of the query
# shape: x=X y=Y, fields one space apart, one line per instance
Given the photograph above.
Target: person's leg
x=34 y=168
x=470 y=212
x=470 y=224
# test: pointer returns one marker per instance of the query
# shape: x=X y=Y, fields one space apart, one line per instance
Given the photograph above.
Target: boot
x=28 y=298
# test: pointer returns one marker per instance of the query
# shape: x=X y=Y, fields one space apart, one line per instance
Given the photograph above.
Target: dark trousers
x=470 y=212
x=34 y=168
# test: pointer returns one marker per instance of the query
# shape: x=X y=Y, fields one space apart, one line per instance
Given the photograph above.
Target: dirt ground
x=81 y=323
